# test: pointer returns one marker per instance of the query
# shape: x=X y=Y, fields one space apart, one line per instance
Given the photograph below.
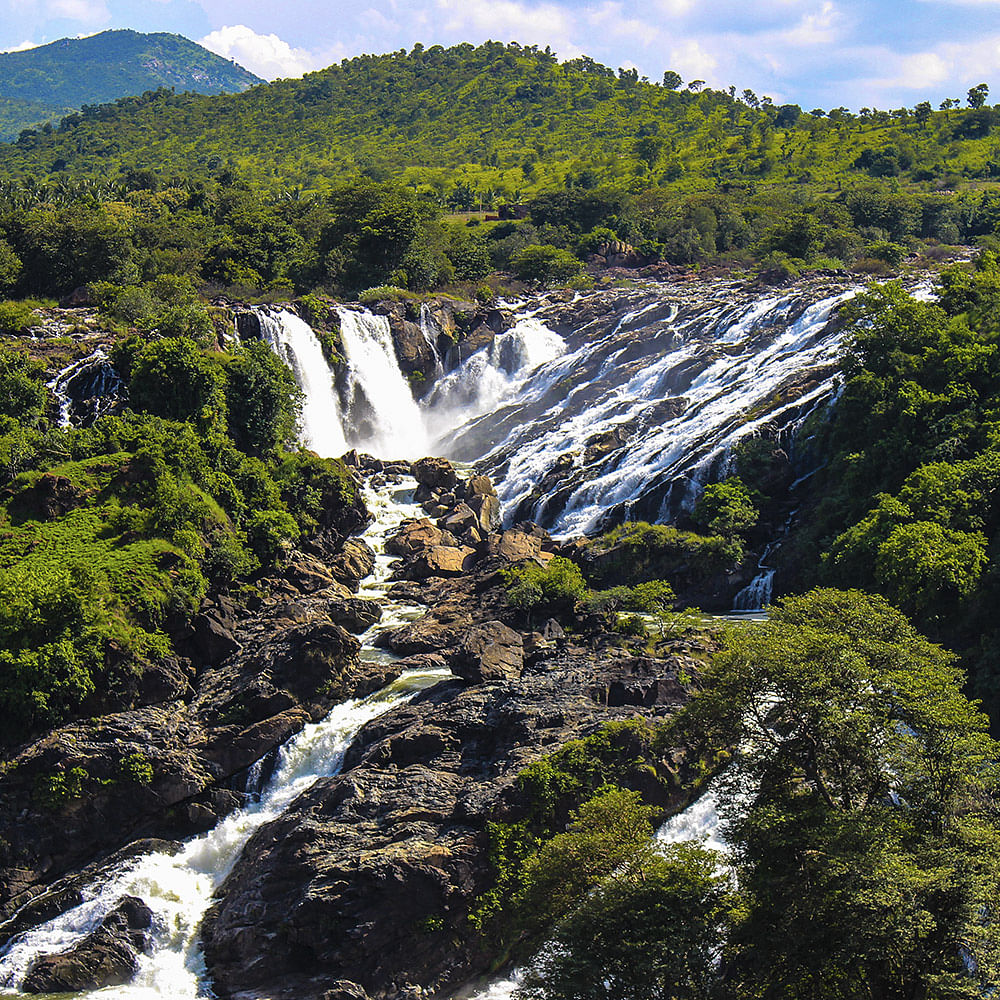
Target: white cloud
x=266 y=55
x=89 y=11
x=692 y=60
x=507 y=20
x=610 y=19
x=953 y=63
x=23 y=47
x=821 y=27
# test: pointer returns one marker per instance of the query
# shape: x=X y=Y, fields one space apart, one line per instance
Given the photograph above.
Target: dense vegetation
x=858 y=814
x=111 y=535
x=45 y=83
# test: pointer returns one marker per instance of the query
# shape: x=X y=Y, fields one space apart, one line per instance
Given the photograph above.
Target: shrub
x=551 y=589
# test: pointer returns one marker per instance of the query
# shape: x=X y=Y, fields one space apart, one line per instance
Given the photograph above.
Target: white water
x=294 y=341
x=179 y=888
x=723 y=367
x=699 y=822
x=104 y=382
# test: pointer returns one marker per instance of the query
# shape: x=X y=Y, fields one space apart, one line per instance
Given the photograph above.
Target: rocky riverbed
x=365 y=884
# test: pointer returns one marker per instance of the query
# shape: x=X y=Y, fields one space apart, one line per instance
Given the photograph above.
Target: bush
x=17 y=318
x=726 y=508
x=545 y=263
x=552 y=589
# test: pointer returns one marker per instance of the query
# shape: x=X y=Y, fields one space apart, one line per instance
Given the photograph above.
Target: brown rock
x=487 y=511
x=442 y=560
x=354 y=563
x=435 y=473
x=413 y=538
x=307 y=573
x=516 y=546
x=489 y=652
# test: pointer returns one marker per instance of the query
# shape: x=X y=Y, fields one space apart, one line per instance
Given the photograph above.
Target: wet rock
x=435 y=473
x=489 y=652
x=335 y=887
x=106 y=957
x=460 y=519
x=357 y=615
x=487 y=512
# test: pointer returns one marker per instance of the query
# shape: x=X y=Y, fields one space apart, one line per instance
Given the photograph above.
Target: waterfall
x=381 y=416
x=638 y=410
x=93 y=379
x=294 y=341
x=179 y=888
x=492 y=375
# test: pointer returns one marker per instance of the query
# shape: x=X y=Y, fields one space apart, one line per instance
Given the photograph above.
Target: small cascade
x=179 y=888
x=294 y=341
x=756 y=595
x=490 y=377
x=381 y=417
x=699 y=822
x=86 y=389
x=431 y=332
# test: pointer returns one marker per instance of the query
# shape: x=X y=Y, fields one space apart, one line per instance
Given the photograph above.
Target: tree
x=544 y=262
x=977 y=95
x=10 y=267
x=726 y=508
x=649 y=931
x=672 y=80
x=861 y=806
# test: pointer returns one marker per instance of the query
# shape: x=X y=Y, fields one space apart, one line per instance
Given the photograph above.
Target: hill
x=501 y=121
x=44 y=83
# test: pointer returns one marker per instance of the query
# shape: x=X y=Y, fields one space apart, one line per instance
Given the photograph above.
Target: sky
x=816 y=53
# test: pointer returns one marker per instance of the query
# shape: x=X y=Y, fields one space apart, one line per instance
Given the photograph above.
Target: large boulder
x=414 y=537
x=442 y=560
x=515 y=546
x=435 y=473
x=106 y=957
x=354 y=563
x=489 y=652
x=357 y=614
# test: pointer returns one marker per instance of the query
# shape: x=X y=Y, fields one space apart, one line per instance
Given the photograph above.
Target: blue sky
x=818 y=53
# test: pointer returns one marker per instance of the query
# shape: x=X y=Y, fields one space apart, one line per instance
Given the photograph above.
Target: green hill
x=50 y=81
x=505 y=121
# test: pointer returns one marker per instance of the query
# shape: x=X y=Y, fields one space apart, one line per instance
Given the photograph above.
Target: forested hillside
x=479 y=123
x=45 y=83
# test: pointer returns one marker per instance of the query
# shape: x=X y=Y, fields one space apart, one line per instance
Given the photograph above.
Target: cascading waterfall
x=294 y=341
x=178 y=888
x=640 y=413
x=381 y=417
x=492 y=376
x=92 y=378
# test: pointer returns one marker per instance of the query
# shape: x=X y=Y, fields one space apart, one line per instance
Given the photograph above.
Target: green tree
x=650 y=931
x=726 y=508
x=545 y=263
x=860 y=806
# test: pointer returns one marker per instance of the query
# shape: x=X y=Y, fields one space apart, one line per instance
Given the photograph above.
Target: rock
x=50 y=498
x=78 y=298
x=344 y=989
x=306 y=573
x=357 y=615
x=211 y=641
x=413 y=352
x=489 y=652
x=442 y=560
x=398 y=840
x=354 y=563
x=487 y=511
x=414 y=537
x=516 y=546
x=460 y=519
x=248 y=325
x=106 y=957
x=479 y=486
x=435 y=473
